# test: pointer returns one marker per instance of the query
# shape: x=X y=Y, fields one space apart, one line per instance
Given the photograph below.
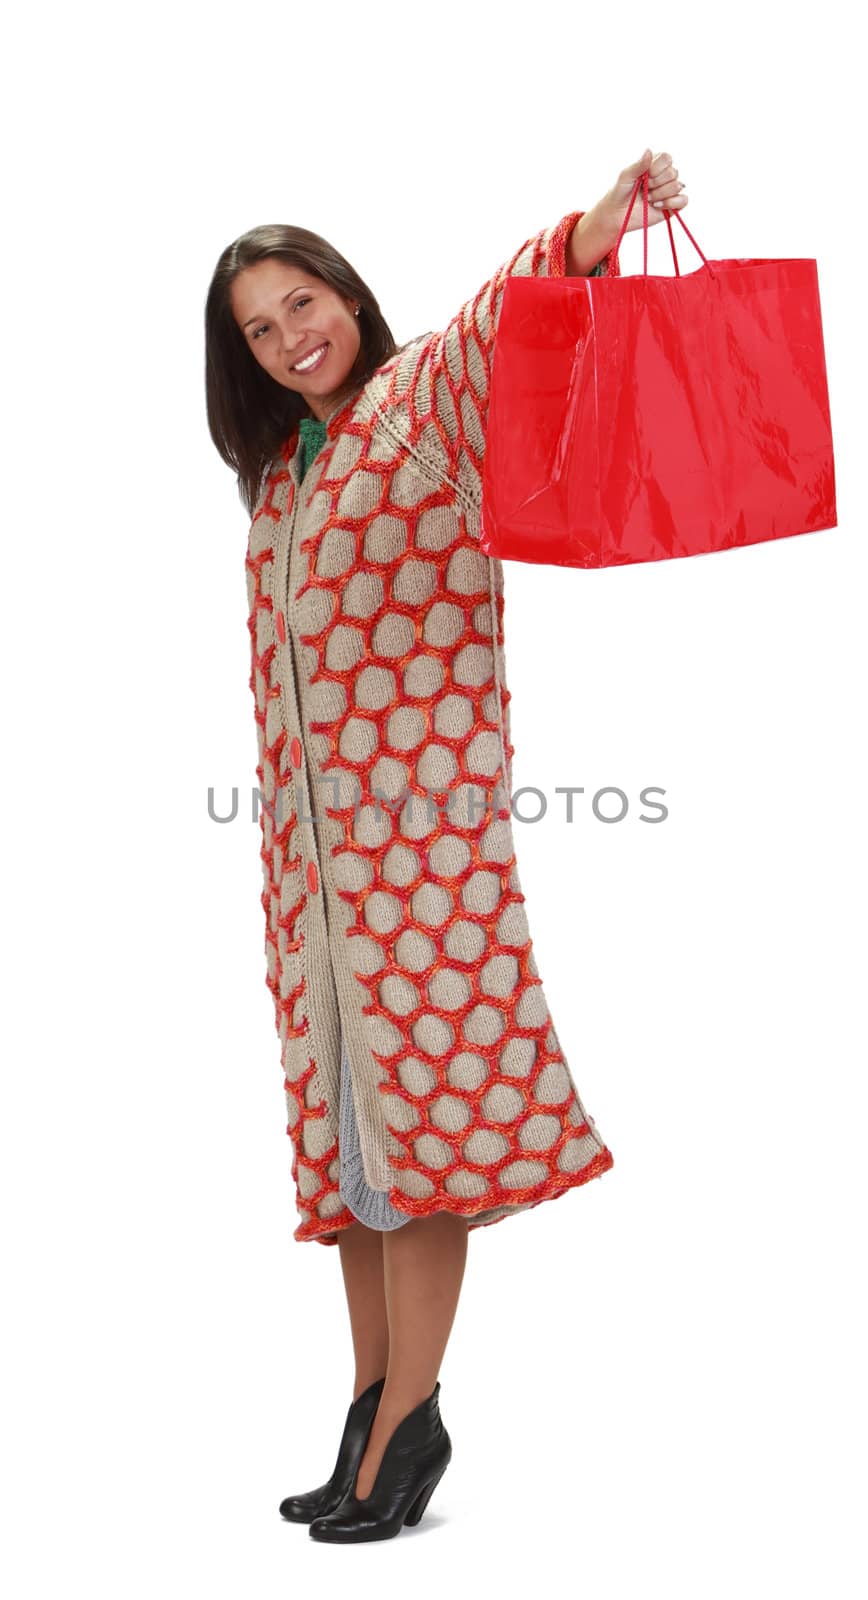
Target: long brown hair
x=250 y=414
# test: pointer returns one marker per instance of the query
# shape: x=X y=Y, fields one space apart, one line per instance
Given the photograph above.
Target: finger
x=666 y=191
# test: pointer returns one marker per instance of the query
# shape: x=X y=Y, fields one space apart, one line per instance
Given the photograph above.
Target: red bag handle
x=643 y=180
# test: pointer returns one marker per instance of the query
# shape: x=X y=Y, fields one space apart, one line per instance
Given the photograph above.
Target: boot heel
x=417 y=1509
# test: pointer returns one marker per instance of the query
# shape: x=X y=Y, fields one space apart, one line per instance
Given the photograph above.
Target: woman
x=426 y=1089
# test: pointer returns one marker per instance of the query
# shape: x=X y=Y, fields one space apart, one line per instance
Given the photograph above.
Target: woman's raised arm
x=441 y=381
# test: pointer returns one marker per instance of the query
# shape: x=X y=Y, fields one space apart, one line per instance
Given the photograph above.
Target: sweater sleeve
x=441 y=381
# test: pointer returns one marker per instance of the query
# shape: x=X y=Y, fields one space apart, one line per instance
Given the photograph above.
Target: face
x=285 y=314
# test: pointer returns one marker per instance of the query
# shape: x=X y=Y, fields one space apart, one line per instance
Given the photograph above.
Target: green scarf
x=313 y=437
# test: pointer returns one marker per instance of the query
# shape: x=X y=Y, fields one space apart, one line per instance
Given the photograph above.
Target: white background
x=656 y=1384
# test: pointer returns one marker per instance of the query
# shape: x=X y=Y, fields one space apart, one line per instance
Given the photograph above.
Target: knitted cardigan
x=394 y=915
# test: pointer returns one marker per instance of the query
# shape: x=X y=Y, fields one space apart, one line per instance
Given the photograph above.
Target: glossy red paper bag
x=641 y=418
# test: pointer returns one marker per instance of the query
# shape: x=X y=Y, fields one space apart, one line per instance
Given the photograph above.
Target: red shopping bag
x=642 y=418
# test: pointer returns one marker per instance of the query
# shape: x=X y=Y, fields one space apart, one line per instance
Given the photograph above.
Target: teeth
x=302 y=366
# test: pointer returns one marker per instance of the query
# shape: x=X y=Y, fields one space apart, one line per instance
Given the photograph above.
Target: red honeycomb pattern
x=399 y=623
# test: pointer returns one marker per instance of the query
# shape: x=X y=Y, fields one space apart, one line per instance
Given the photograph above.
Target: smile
x=312 y=361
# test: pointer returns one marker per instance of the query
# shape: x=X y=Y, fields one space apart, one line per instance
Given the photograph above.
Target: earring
x=358 y=309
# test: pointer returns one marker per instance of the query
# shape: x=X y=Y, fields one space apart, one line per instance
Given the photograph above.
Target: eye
x=301 y=302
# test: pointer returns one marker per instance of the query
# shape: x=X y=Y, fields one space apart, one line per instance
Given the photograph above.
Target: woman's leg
x=361 y=1251
x=423 y=1269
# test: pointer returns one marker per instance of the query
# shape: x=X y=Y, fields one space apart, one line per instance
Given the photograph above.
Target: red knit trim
x=326 y=1232
x=557 y=251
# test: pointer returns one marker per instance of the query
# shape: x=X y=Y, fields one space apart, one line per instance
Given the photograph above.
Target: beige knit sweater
x=393 y=905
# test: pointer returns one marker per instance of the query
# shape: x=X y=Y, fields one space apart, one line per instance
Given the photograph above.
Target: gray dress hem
x=370 y=1206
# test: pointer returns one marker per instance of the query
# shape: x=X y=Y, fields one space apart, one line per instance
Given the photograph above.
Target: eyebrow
x=257 y=318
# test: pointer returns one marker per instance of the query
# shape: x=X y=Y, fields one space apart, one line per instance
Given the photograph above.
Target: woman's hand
x=597 y=230
x=665 y=193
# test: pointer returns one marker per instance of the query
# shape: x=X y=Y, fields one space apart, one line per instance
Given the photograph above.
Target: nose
x=293 y=341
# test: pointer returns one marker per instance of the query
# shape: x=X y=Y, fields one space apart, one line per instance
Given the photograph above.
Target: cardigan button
x=312 y=878
x=281 y=627
x=295 y=751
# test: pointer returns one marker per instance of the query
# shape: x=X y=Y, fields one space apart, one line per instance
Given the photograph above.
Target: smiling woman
x=278 y=292
x=427 y=1092
x=396 y=935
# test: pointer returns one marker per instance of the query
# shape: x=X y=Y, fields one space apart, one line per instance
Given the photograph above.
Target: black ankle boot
x=413 y=1463
x=317 y=1502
